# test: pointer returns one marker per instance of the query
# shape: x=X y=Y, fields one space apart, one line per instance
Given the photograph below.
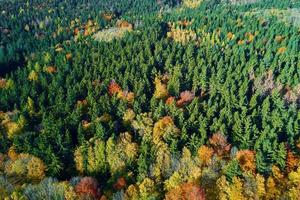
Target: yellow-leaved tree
x=192 y=3
x=164 y=129
x=121 y=153
x=90 y=157
x=26 y=166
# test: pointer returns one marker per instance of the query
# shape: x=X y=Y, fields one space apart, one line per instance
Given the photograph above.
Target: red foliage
x=185 y=98
x=186 y=191
x=120 y=184
x=87 y=186
x=114 y=88
x=170 y=100
x=219 y=144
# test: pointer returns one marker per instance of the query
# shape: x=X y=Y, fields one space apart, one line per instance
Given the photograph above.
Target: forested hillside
x=156 y=99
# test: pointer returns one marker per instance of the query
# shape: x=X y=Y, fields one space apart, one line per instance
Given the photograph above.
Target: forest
x=149 y=100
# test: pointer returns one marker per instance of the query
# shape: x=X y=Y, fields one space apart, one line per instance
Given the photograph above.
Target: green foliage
x=240 y=71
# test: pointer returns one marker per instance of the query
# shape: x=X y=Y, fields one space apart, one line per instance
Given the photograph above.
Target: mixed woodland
x=146 y=100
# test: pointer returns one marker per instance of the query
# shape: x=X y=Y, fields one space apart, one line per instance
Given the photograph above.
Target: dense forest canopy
x=156 y=99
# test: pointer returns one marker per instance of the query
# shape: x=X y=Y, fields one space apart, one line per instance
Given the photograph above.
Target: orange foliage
x=186 y=191
x=292 y=161
x=68 y=56
x=170 y=100
x=219 y=144
x=281 y=50
x=205 y=153
x=125 y=95
x=86 y=32
x=51 y=69
x=185 y=23
x=114 y=88
x=185 y=98
x=3 y=83
x=246 y=159
x=120 y=184
x=103 y=197
x=241 y=42
x=271 y=190
x=87 y=186
x=124 y=24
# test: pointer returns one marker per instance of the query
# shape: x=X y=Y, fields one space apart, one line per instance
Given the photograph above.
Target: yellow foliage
x=33 y=76
x=27 y=166
x=30 y=106
x=279 y=38
x=192 y=3
x=232 y=191
x=181 y=35
x=143 y=124
x=173 y=181
x=104 y=118
x=132 y=193
x=128 y=117
x=164 y=128
x=163 y=163
x=110 y=34
x=147 y=187
x=161 y=91
x=230 y=36
x=277 y=173
x=90 y=158
x=12 y=154
x=69 y=192
x=14 y=128
x=78 y=158
x=121 y=153
x=260 y=182
x=189 y=167
x=294 y=182
x=36 y=169
x=271 y=189
x=294 y=177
